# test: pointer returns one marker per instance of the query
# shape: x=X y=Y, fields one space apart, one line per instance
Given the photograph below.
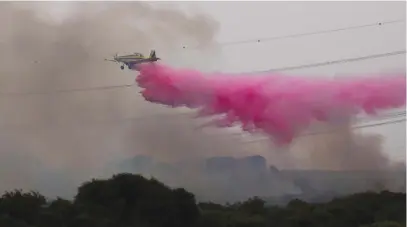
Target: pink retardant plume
x=279 y=105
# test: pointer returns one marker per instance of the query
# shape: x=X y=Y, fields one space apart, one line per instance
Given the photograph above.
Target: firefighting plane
x=134 y=59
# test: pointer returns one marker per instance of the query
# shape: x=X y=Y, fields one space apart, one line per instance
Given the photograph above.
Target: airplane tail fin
x=152 y=55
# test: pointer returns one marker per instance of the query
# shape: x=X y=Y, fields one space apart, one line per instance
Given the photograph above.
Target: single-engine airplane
x=132 y=60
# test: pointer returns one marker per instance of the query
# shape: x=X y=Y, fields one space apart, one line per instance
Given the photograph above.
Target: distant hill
x=228 y=179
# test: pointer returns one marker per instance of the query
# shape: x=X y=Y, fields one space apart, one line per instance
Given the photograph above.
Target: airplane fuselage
x=131 y=61
x=134 y=59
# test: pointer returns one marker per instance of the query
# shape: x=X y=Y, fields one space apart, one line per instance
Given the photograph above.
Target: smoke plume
x=346 y=149
x=76 y=133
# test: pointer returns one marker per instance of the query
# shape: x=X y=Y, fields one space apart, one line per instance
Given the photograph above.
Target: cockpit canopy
x=138 y=54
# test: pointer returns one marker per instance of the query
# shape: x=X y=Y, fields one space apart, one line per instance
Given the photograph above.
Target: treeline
x=127 y=200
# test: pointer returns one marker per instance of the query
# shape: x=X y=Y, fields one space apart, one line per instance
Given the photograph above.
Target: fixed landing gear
x=122 y=67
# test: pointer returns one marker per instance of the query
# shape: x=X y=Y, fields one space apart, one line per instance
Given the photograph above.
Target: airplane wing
x=110 y=60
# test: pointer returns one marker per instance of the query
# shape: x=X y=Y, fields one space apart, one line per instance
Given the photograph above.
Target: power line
x=382 y=117
x=340 y=61
x=264 y=39
x=85 y=89
x=191 y=114
x=390 y=115
x=372 y=125
x=362 y=126
x=332 y=131
x=297 y=35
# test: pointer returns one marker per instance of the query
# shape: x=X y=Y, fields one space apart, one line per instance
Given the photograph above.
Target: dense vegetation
x=127 y=200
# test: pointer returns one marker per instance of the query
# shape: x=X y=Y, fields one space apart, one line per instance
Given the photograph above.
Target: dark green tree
x=384 y=224
x=22 y=206
x=127 y=200
x=253 y=206
x=132 y=199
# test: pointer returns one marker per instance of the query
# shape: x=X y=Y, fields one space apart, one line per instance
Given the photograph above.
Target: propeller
x=114 y=58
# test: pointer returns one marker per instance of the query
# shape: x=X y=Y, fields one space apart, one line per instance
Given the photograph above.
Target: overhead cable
x=297 y=35
x=313 y=65
x=340 y=61
x=333 y=131
x=191 y=114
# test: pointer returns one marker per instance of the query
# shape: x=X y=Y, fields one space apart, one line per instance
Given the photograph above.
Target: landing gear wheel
x=129 y=66
x=122 y=67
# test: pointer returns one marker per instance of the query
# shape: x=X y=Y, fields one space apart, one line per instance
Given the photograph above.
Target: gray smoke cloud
x=53 y=142
x=344 y=149
x=76 y=133
x=353 y=161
